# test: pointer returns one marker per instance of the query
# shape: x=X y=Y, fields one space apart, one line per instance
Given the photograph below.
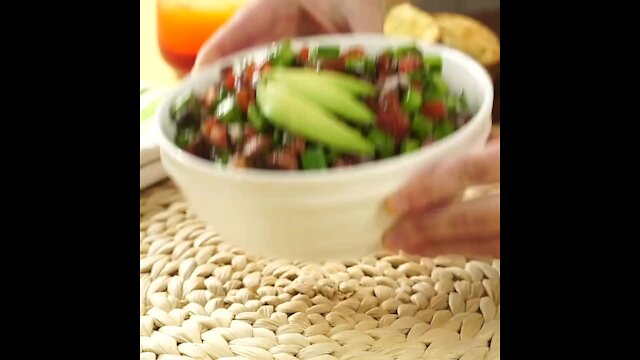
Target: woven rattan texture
x=203 y=299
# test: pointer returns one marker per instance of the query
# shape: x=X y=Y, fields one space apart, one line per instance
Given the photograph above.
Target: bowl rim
x=169 y=148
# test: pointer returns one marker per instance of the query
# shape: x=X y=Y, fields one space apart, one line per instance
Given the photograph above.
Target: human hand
x=433 y=222
x=263 y=21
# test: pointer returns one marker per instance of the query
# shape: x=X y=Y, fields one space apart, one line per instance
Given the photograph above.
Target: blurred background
x=461 y=6
x=170 y=22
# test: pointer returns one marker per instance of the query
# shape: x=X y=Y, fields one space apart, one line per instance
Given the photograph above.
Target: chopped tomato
x=238 y=161
x=247 y=77
x=200 y=147
x=284 y=159
x=210 y=97
x=435 y=109
x=249 y=70
x=372 y=103
x=297 y=144
x=218 y=135
x=384 y=65
x=230 y=80
x=409 y=63
x=303 y=55
x=249 y=132
x=331 y=64
x=345 y=161
x=391 y=118
x=207 y=125
x=243 y=99
x=353 y=53
x=265 y=67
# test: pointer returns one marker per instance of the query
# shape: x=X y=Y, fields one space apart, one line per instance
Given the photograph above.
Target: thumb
x=366 y=16
x=259 y=21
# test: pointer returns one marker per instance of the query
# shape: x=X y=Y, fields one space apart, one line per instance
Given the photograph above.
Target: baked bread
x=409 y=21
x=470 y=36
x=454 y=30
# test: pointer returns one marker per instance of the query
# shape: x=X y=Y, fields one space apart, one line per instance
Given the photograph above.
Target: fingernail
x=390 y=240
x=397 y=205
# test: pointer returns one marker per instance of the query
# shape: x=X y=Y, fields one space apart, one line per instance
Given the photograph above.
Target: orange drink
x=184 y=25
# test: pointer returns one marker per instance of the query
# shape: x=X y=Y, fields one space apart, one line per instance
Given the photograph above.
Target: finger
x=441 y=184
x=494 y=136
x=470 y=249
x=364 y=15
x=260 y=21
x=452 y=227
x=321 y=17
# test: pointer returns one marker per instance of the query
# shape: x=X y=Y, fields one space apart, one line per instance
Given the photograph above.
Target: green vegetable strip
x=432 y=63
x=412 y=99
x=326 y=52
x=410 y=145
x=228 y=110
x=282 y=55
x=443 y=129
x=422 y=126
x=384 y=143
x=436 y=88
x=313 y=158
x=255 y=118
x=363 y=66
x=405 y=50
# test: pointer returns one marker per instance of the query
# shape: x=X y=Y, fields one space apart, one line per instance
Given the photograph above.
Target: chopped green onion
x=325 y=52
x=222 y=94
x=416 y=76
x=456 y=104
x=277 y=137
x=412 y=99
x=443 y=129
x=384 y=143
x=405 y=50
x=183 y=105
x=361 y=65
x=432 y=63
x=228 y=110
x=185 y=136
x=255 y=118
x=421 y=126
x=221 y=155
x=389 y=52
x=313 y=158
x=410 y=145
x=281 y=54
x=331 y=155
x=435 y=88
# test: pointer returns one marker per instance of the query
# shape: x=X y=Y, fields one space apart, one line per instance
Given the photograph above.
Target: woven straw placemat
x=203 y=299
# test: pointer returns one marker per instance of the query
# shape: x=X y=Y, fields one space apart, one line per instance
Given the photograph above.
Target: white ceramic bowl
x=323 y=215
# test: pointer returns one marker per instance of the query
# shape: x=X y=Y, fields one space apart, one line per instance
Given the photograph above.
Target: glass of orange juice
x=184 y=26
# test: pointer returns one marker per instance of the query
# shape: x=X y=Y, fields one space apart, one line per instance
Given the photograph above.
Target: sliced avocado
x=329 y=78
x=332 y=98
x=283 y=107
x=149 y=110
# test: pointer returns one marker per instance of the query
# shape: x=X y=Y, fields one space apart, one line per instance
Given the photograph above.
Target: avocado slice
x=283 y=107
x=332 y=98
x=327 y=78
